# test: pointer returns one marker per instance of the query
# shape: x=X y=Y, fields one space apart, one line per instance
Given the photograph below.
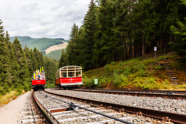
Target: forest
x=116 y=30
x=17 y=65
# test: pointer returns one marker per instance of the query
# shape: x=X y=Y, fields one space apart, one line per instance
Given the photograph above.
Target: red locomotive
x=69 y=76
x=38 y=80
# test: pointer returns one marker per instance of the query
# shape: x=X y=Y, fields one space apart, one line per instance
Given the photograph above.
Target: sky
x=42 y=18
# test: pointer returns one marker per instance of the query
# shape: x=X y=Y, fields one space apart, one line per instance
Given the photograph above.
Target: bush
x=6 y=87
x=107 y=67
x=112 y=63
x=162 y=57
x=142 y=73
x=2 y=90
x=120 y=81
x=145 y=83
x=126 y=71
x=26 y=87
x=19 y=91
x=149 y=61
x=138 y=67
x=158 y=68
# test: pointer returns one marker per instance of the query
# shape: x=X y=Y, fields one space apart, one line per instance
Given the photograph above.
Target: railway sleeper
x=31 y=121
x=68 y=112
x=111 y=121
x=91 y=118
x=84 y=113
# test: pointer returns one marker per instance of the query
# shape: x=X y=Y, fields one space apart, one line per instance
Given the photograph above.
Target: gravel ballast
x=11 y=113
x=156 y=103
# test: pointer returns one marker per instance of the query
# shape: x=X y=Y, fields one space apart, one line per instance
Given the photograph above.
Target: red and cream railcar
x=38 y=81
x=69 y=76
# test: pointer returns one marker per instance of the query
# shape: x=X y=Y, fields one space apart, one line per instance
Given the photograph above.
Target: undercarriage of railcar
x=38 y=87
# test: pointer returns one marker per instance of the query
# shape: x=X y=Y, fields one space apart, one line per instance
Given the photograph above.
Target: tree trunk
x=143 y=46
x=132 y=48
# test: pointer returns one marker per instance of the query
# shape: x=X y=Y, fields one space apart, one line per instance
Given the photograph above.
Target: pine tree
x=89 y=39
x=62 y=60
x=180 y=32
x=4 y=59
x=33 y=60
x=28 y=59
x=23 y=72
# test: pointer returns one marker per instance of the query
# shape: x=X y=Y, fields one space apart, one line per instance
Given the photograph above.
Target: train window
x=70 y=74
x=78 y=74
x=64 y=74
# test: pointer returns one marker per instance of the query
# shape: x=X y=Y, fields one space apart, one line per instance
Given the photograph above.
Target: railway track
x=73 y=111
x=31 y=114
x=162 y=115
x=149 y=93
x=65 y=109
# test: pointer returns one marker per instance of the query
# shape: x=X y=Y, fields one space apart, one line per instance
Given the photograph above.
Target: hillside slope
x=41 y=43
x=140 y=73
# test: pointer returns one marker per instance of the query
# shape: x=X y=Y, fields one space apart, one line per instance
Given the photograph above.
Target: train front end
x=38 y=80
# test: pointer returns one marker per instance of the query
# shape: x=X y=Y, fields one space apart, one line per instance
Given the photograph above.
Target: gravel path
x=156 y=103
x=11 y=113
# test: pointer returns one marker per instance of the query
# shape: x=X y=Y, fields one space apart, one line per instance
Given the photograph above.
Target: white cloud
x=43 y=18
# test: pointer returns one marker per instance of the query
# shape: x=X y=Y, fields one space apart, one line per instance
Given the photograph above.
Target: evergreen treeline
x=115 y=30
x=17 y=65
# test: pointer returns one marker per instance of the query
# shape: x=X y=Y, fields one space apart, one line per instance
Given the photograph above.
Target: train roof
x=71 y=66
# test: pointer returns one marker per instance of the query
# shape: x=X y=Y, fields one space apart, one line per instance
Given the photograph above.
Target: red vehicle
x=38 y=80
x=69 y=76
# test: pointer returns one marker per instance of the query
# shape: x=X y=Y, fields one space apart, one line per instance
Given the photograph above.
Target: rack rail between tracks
x=177 y=118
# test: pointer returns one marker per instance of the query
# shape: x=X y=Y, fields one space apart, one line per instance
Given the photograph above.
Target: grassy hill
x=41 y=44
x=55 y=54
x=140 y=73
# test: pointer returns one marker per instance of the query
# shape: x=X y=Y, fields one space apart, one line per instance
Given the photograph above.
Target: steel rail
x=142 y=91
x=48 y=119
x=73 y=105
x=137 y=94
x=33 y=114
x=177 y=118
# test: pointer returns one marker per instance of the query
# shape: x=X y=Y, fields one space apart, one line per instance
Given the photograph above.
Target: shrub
x=138 y=67
x=6 y=87
x=19 y=91
x=142 y=73
x=126 y=71
x=112 y=63
x=120 y=81
x=2 y=90
x=107 y=67
x=149 y=61
x=158 y=68
x=120 y=64
x=162 y=57
x=26 y=87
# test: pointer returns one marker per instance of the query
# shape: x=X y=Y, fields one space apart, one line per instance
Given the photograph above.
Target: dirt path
x=11 y=113
x=56 y=47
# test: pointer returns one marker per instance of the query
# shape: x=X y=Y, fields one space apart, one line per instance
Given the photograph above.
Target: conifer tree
x=33 y=60
x=4 y=59
x=28 y=59
x=62 y=59
x=89 y=39
x=180 y=32
x=23 y=72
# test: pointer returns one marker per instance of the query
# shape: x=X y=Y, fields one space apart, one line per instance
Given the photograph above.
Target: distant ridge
x=40 y=43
